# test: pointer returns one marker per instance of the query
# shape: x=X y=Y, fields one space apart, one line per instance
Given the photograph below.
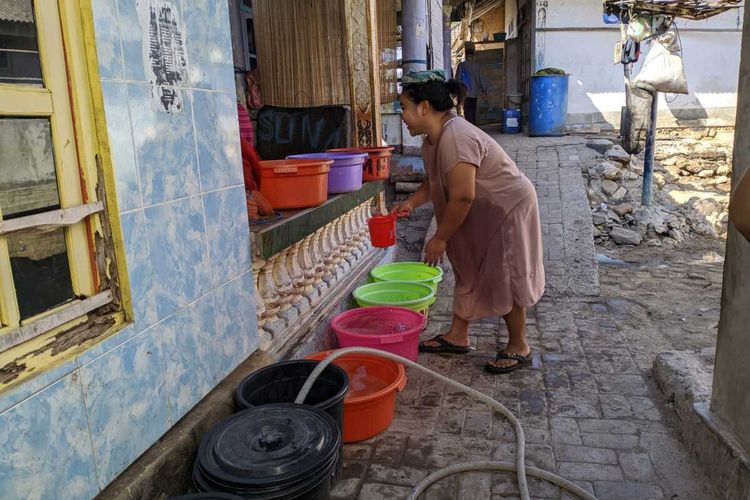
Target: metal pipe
x=414 y=35
x=648 y=163
x=447 y=45
x=626 y=75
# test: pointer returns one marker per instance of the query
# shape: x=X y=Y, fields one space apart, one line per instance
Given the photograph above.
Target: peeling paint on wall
x=164 y=55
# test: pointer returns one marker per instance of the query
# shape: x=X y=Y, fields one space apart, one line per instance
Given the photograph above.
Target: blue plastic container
x=511 y=121
x=549 y=105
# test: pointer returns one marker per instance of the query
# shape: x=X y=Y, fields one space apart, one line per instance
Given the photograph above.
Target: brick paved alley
x=588 y=404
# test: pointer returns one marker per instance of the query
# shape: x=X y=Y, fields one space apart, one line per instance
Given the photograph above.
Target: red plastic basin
x=371 y=401
x=378 y=164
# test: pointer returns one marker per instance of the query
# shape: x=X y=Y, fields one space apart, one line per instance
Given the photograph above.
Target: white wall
x=575 y=39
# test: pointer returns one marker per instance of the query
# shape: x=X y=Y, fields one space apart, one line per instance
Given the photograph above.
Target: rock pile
x=705 y=159
x=614 y=190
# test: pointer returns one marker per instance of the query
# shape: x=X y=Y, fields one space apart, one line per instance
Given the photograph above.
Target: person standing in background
x=470 y=73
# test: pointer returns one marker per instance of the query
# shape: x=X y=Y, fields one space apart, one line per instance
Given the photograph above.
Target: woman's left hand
x=434 y=251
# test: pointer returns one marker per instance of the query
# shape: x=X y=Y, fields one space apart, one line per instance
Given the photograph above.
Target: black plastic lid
x=271 y=445
x=207 y=496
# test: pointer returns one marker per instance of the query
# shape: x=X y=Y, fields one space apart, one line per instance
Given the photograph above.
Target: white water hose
x=520 y=467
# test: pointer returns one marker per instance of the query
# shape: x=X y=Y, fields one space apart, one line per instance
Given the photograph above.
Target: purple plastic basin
x=345 y=175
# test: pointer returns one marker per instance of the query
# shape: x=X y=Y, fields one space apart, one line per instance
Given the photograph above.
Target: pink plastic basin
x=391 y=329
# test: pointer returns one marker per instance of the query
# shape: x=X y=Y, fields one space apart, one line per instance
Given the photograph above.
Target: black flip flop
x=522 y=360
x=444 y=346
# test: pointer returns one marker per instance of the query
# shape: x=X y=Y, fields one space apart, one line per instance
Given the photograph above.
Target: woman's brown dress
x=496 y=254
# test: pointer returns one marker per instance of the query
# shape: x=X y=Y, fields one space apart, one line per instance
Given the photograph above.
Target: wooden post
x=364 y=78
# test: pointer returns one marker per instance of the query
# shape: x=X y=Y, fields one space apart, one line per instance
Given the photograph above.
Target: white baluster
x=299 y=300
x=284 y=285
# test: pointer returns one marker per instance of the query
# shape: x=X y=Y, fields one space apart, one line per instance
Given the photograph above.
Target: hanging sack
x=639 y=28
x=663 y=68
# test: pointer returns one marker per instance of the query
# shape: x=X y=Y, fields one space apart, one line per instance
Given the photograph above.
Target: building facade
x=73 y=420
x=119 y=123
x=570 y=35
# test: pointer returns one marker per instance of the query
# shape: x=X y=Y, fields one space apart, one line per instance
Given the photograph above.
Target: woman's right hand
x=403 y=208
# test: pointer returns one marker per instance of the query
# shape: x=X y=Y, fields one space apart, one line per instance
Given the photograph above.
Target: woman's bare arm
x=461 y=183
x=416 y=200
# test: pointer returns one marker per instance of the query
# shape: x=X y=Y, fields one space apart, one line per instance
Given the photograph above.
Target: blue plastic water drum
x=549 y=105
x=511 y=121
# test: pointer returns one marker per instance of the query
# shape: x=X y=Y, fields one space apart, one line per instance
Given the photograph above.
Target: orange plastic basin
x=371 y=401
x=290 y=184
x=378 y=164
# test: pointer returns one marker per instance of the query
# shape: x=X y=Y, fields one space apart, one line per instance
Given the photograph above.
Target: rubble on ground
x=690 y=192
x=705 y=159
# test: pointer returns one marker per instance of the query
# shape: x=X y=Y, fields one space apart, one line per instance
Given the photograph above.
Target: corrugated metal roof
x=688 y=9
x=16 y=10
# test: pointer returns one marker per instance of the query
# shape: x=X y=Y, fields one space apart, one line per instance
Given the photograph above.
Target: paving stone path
x=588 y=405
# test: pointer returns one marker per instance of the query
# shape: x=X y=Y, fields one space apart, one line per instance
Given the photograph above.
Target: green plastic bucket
x=414 y=296
x=414 y=272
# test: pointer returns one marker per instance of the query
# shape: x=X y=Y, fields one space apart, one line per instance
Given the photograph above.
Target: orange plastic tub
x=289 y=184
x=378 y=164
x=371 y=401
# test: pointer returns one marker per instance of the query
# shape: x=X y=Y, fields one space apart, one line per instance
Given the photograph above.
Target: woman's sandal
x=520 y=358
x=444 y=346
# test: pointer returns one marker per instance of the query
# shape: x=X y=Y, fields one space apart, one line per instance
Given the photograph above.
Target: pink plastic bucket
x=391 y=329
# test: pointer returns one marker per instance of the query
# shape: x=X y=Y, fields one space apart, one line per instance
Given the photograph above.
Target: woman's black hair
x=441 y=95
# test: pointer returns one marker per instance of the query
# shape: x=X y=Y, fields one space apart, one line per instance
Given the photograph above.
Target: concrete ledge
x=685 y=378
x=269 y=240
x=722 y=456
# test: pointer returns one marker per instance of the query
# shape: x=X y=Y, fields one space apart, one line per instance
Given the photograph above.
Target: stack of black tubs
x=207 y=496
x=281 y=383
x=274 y=449
x=280 y=451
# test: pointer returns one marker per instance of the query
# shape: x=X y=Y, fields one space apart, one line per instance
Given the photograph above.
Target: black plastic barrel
x=281 y=451
x=281 y=383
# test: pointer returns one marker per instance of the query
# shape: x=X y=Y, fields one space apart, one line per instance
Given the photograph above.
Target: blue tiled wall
x=69 y=432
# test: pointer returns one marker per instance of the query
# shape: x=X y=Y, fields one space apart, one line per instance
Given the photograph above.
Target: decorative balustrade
x=292 y=283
